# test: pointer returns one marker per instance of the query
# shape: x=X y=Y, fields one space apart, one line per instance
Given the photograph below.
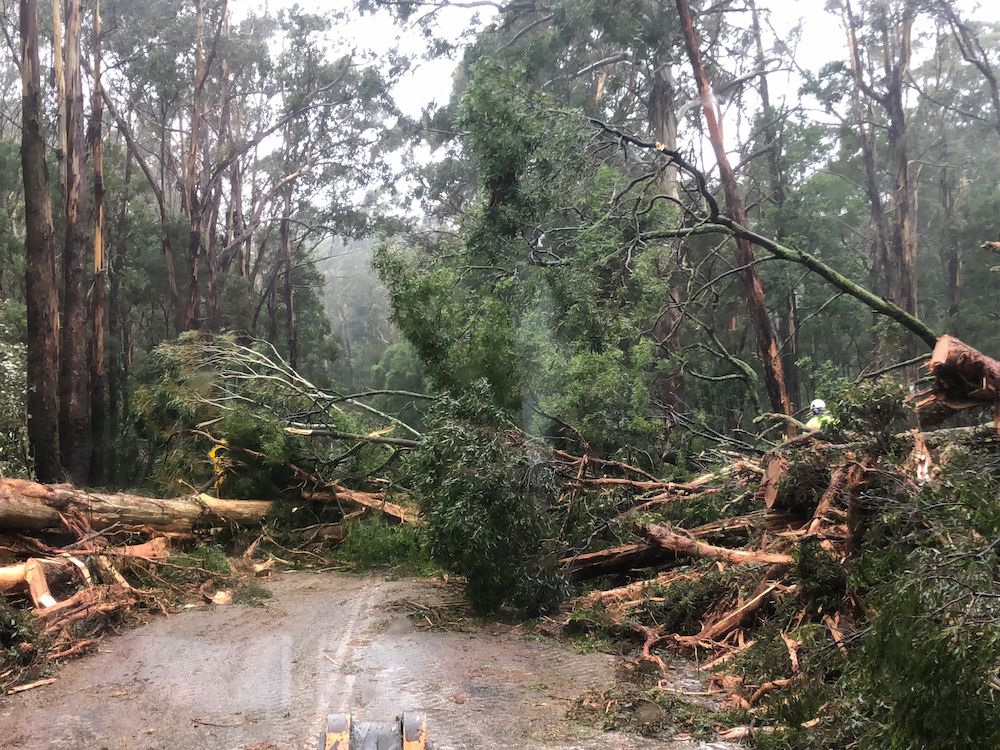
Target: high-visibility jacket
x=819 y=421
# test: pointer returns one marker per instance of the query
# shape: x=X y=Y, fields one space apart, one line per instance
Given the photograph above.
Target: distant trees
x=900 y=132
x=250 y=155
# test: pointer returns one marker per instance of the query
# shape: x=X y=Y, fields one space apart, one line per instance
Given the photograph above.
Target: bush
x=487 y=499
x=374 y=543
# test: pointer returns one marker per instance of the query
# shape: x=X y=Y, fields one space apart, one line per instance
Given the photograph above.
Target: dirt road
x=231 y=678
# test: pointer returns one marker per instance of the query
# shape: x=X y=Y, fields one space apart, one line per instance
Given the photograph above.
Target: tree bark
x=58 y=71
x=753 y=289
x=98 y=413
x=116 y=375
x=29 y=506
x=74 y=386
x=950 y=253
x=42 y=296
x=787 y=318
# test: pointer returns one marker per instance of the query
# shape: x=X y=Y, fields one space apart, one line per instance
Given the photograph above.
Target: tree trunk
x=686 y=546
x=950 y=257
x=904 y=237
x=74 y=386
x=116 y=375
x=42 y=296
x=29 y=506
x=194 y=197
x=900 y=249
x=787 y=320
x=291 y=332
x=58 y=72
x=753 y=289
x=663 y=123
x=98 y=413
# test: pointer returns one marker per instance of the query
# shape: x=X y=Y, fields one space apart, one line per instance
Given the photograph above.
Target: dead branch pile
x=808 y=500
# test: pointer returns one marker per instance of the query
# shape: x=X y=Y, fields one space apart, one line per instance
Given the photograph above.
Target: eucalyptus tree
x=41 y=294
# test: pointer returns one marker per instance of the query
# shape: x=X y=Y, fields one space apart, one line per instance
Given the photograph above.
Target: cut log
x=29 y=506
x=964 y=378
x=684 y=545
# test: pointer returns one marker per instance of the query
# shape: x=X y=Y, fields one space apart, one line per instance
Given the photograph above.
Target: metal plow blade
x=405 y=732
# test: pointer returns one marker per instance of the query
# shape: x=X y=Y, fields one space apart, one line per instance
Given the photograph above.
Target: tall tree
x=892 y=47
x=42 y=296
x=74 y=385
x=97 y=364
x=753 y=289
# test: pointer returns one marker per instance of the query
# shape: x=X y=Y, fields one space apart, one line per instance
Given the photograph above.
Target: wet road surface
x=236 y=678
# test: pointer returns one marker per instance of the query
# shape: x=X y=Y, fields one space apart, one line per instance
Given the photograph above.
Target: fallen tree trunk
x=964 y=378
x=684 y=545
x=29 y=506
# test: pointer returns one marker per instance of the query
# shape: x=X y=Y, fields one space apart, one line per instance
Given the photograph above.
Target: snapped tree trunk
x=42 y=295
x=964 y=378
x=753 y=289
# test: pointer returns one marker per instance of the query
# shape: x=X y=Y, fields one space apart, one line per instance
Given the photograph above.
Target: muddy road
x=235 y=678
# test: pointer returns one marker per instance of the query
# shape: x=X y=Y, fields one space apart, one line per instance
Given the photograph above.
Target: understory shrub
x=488 y=499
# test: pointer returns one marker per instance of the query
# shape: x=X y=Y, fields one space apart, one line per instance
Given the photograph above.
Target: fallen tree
x=29 y=506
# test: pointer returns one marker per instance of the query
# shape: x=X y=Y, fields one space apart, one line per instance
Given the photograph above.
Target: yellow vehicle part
x=405 y=732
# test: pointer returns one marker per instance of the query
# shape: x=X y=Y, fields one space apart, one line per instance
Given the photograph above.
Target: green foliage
x=373 y=543
x=200 y=390
x=921 y=648
x=823 y=578
x=872 y=408
x=22 y=642
x=488 y=503
x=13 y=391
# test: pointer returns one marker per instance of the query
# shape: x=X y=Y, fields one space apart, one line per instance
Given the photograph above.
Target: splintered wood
x=964 y=378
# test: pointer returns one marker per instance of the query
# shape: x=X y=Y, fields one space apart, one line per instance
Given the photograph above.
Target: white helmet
x=818 y=406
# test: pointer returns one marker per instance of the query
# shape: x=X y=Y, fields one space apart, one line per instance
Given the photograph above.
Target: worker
x=820 y=416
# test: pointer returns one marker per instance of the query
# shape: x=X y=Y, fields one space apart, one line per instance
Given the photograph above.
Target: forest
x=660 y=326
